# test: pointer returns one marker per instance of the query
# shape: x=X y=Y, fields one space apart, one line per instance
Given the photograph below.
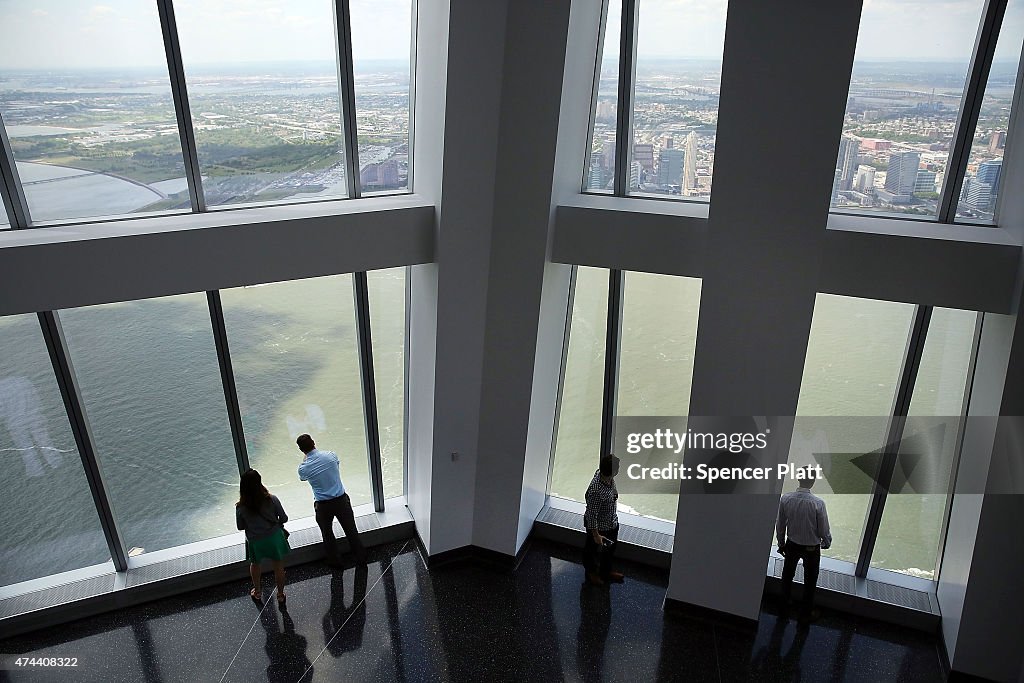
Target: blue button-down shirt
x=320 y=469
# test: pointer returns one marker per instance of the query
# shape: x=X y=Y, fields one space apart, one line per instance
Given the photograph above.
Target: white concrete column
x=502 y=98
x=774 y=160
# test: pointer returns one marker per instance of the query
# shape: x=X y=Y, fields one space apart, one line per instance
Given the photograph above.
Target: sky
x=55 y=34
x=933 y=30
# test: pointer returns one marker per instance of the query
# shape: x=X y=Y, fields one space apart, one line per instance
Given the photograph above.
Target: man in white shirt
x=802 y=531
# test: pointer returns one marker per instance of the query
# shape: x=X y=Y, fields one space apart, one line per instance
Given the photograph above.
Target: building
x=901 y=176
x=690 y=163
x=643 y=154
x=849 y=160
x=926 y=182
x=989 y=173
x=996 y=141
x=471 y=345
x=670 y=166
x=865 y=180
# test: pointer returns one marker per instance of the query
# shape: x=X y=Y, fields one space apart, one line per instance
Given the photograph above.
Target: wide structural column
x=979 y=588
x=775 y=158
x=471 y=389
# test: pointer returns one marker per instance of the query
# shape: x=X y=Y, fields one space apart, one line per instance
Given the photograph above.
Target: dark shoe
x=594 y=580
x=616 y=577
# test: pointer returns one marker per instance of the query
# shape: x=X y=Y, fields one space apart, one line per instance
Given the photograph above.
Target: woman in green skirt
x=261 y=516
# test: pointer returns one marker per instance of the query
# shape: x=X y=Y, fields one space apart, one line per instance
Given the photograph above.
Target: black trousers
x=811 y=555
x=598 y=560
x=340 y=508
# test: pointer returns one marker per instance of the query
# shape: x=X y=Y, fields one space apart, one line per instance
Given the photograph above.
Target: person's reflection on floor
x=351 y=619
x=286 y=649
x=595 y=620
x=770 y=661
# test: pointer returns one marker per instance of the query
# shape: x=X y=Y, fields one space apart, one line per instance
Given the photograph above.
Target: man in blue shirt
x=321 y=470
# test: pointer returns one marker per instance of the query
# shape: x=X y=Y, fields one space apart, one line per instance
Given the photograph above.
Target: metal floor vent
x=897 y=595
x=873 y=590
x=185 y=565
x=58 y=595
x=627 y=534
x=841 y=583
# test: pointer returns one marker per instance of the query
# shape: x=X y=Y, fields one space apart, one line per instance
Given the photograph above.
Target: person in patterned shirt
x=602 y=522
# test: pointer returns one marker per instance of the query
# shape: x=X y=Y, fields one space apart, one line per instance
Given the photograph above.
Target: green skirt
x=272 y=547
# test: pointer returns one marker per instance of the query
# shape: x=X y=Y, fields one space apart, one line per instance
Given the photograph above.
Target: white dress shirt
x=803 y=517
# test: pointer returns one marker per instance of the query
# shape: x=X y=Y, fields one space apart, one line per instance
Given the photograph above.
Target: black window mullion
x=970 y=107
x=894 y=435
x=613 y=338
x=624 y=115
x=74 y=406
x=360 y=291
x=182 y=111
x=11 y=191
x=347 y=92
x=227 y=379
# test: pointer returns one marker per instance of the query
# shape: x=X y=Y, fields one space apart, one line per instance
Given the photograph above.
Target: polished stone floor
x=398 y=622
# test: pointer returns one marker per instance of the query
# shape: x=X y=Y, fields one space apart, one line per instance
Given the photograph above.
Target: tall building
x=865 y=180
x=690 y=163
x=979 y=195
x=670 y=166
x=997 y=141
x=849 y=159
x=901 y=177
x=643 y=154
x=836 y=182
x=925 y=181
x=989 y=173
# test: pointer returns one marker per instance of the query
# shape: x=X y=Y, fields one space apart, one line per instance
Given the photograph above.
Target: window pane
x=296 y=362
x=151 y=385
x=86 y=99
x=41 y=466
x=659 y=333
x=908 y=538
x=263 y=88
x=851 y=373
x=381 y=44
x=981 y=183
x=387 y=325
x=908 y=80
x=601 y=172
x=675 y=109
x=578 y=442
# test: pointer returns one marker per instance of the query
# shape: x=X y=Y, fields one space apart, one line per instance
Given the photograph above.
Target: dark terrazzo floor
x=396 y=621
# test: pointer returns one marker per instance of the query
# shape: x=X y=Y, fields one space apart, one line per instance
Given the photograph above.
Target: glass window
x=150 y=380
x=675 y=107
x=296 y=363
x=659 y=333
x=908 y=538
x=381 y=60
x=86 y=100
x=908 y=81
x=980 y=190
x=387 y=330
x=263 y=89
x=41 y=466
x=578 y=441
x=601 y=171
x=851 y=373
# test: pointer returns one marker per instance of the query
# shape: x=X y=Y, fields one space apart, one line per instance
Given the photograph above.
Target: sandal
x=258 y=597
x=281 y=599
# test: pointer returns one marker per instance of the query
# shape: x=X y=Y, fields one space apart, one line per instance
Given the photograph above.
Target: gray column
x=765 y=236
x=502 y=95
x=979 y=581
